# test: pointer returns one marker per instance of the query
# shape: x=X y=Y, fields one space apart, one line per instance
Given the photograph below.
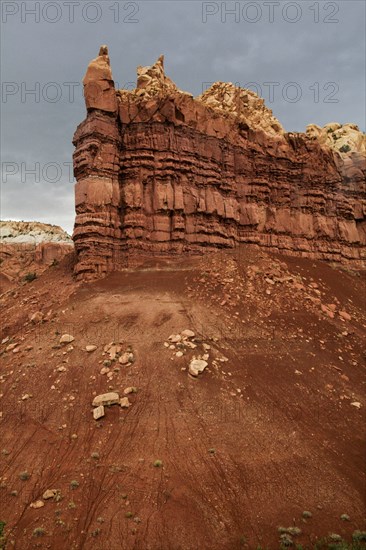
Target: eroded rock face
x=29 y=247
x=168 y=173
x=32 y=232
x=343 y=138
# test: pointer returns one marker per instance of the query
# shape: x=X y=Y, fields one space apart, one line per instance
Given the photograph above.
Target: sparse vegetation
x=290 y=530
x=24 y=476
x=212 y=451
x=129 y=514
x=334 y=537
x=326 y=544
x=58 y=496
x=100 y=520
x=39 y=532
x=306 y=514
x=286 y=540
x=2 y=538
x=158 y=463
x=359 y=536
x=29 y=277
x=71 y=505
x=74 y=484
x=95 y=455
x=345 y=517
x=345 y=148
x=294 y=530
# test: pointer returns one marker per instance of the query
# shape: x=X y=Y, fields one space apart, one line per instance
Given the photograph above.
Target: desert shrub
x=29 y=277
x=345 y=148
x=359 y=536
x=39 y=532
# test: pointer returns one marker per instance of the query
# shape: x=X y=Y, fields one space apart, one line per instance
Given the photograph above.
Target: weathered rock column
x=97 y=232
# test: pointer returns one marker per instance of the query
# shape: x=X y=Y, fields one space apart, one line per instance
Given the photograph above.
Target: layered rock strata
x=161 y=172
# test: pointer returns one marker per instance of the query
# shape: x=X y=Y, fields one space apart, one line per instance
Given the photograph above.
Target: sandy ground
x=273 y=427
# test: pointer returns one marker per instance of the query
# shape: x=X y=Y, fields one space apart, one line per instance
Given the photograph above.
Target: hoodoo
x=162 y=172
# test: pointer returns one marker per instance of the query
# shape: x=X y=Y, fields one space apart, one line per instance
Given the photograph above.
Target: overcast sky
x=306 y=59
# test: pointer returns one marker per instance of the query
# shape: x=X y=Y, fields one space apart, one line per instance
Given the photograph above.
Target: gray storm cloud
x=306 y=59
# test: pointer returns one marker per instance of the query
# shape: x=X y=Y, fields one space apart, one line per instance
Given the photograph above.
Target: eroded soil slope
x=273 y=427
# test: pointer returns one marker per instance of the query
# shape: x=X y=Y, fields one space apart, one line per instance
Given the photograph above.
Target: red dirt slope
x=272 y=428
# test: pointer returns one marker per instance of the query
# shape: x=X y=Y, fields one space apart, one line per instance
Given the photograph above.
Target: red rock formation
x=159 y=171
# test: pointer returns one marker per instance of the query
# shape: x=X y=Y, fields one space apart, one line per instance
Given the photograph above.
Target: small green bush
x=286 y=540
x=2 y=525
x=359 y=536
x=39 y=532
x=74 y=484
x=158 y=463
x=345 y=148
x=29 y=277
x=24 y=476
x=334 y=537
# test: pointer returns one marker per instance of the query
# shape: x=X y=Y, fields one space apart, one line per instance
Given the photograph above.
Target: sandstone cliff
x=31 y=232
x=159 y=171
x=29 y=247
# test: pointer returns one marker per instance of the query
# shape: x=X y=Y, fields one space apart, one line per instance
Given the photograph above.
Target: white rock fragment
x=111 y=398
x=187 y=333
x=190 y=345
x=90 y=348
x=37 y=504
x=50 y=493
x=130 y=389
x=174 y=338
x=126 y=358
x=197 y=366
x=125 y=403
x=36 y=317
x=66 y=339
x=112 y=350
x=98 y=412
